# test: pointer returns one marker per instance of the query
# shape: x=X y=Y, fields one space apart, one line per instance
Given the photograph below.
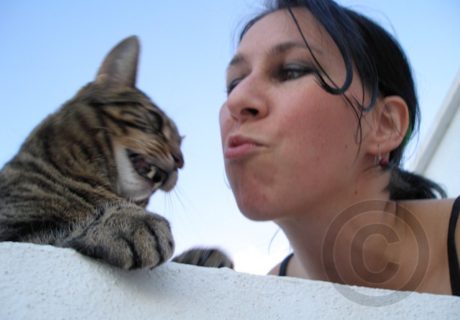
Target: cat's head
x=145 y=141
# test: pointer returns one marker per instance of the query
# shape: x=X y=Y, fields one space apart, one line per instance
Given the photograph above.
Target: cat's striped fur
x=83 y=177
x=205 y=257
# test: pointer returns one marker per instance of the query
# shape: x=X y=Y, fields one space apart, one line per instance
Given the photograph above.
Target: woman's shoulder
x=431 y=216
x=428 y=208
x=275 y=271
x=281 y=269
x=431 y=221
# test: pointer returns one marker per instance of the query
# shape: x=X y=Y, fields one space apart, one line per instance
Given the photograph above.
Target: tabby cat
x=83 y=177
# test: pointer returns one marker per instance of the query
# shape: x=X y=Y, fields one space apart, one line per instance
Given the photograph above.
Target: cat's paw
x=127 y=240
x=205 y=257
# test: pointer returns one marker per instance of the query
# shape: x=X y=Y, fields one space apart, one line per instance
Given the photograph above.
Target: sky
x=51 y=48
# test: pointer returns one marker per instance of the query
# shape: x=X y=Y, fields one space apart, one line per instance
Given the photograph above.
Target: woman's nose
x=247 y=101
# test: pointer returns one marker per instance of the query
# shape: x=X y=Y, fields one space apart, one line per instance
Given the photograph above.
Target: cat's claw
x=127 y=240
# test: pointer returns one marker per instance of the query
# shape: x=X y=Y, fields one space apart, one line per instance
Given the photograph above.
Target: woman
x=321 y=104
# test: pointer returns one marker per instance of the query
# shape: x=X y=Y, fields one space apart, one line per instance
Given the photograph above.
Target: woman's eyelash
x=293 y=71
x=285 y=72
x=232 y=84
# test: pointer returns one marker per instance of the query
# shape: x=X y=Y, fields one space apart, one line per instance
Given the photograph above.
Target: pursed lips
x=238 y=146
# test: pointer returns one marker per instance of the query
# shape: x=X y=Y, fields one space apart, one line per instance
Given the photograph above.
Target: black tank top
x=284 y=265
x=454 y=268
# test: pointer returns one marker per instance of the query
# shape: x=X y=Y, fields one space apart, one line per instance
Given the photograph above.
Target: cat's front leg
x=126 y=236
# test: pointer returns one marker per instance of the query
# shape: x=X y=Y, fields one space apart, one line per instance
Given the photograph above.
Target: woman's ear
x=390 y=125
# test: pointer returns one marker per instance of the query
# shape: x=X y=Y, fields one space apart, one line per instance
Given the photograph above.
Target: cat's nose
x=178 y=160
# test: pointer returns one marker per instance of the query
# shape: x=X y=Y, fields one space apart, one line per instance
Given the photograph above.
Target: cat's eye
x=160 y=176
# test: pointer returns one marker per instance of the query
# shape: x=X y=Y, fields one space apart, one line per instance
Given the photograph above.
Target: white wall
x=445 y=162
x=43 y=282
x=439 y=157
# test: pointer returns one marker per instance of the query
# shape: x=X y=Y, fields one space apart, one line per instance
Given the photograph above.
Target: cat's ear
x=119 y=68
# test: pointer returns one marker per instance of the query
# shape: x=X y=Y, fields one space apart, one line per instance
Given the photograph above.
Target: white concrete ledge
x=43 y=282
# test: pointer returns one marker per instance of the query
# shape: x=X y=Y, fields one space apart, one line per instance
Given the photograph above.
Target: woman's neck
x=357 y=239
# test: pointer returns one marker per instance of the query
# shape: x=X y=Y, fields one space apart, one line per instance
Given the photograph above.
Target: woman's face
x=288 y=145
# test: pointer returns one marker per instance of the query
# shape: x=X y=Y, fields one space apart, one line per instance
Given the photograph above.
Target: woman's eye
x=292 y=72
x=232 y=84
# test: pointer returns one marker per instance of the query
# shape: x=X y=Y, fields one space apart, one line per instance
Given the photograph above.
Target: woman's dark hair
x=383 y=69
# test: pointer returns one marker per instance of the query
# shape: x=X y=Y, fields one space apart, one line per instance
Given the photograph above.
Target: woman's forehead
x=279 y=30
x=279 y=27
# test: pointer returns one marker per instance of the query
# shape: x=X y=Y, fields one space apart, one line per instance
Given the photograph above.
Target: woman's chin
x=258 y=211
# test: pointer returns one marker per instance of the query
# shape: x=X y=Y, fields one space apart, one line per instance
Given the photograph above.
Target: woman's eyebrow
x=290 y=45
x=237 y=59
x=278 y=49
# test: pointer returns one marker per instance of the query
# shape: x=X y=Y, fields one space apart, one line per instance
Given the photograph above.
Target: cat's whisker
x=179 y=195
x=170 y=201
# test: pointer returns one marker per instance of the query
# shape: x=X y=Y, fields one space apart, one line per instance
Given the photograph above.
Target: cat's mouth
x=147 y=169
